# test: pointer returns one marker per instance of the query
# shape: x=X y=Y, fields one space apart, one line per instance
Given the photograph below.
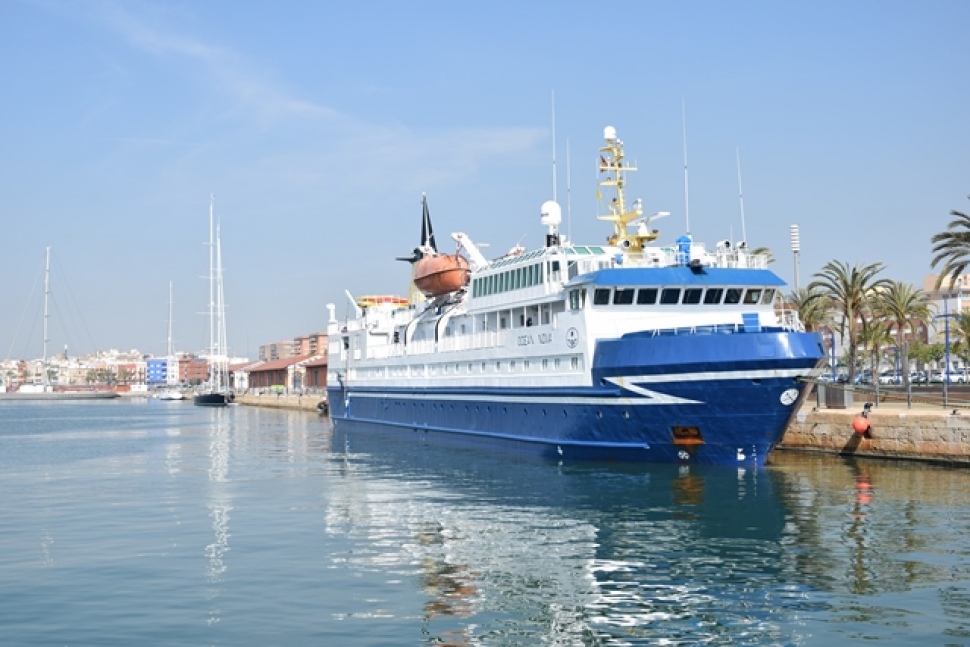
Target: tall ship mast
x=216 y=391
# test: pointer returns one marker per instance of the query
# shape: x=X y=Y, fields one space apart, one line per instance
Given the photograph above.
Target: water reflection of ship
x=572 y=551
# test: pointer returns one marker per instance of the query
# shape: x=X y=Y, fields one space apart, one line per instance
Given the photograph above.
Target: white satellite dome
x=609 y=133
x=550 y=214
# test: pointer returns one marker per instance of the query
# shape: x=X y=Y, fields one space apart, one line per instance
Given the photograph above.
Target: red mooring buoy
x=860 y=424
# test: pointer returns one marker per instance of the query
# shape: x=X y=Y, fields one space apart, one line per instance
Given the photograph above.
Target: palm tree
x=813 y=307
x=901 y=305
x=851 y=293
x=875 y=336
x=959 y=329
x=960 y=326
x=952 y=247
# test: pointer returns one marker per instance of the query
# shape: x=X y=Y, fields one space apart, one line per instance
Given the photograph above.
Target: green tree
x=813 y=307
x=959 y=327
x=952 y=248
x=901 y=305
x=851 y=293
x=923 y=354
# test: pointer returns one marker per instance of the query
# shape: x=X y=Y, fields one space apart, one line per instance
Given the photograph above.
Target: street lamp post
x=796 y=247
x=946 y=351
x=832 y=363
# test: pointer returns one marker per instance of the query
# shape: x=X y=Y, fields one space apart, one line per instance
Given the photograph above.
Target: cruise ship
x=631 y=350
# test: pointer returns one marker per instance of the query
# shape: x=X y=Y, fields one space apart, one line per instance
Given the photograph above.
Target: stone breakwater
x=921 y=432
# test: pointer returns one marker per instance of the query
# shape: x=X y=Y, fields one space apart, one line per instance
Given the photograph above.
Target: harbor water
x=139 y=522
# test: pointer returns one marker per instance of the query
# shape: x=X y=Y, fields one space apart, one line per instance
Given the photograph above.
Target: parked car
x=953 y=377
x=890 y=377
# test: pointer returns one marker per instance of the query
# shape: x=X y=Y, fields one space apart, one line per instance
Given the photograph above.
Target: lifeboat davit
x=439 y=274
x=371 y=301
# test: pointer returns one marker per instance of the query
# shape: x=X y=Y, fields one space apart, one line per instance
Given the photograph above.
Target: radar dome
x=609 y=133
x=550 y=214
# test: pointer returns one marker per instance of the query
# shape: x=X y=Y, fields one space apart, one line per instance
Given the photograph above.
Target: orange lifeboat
x=439 y=274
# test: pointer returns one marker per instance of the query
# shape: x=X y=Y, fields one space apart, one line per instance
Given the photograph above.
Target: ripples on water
x=163 y=523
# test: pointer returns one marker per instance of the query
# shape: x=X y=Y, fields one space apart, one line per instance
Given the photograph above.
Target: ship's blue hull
x=714 y=398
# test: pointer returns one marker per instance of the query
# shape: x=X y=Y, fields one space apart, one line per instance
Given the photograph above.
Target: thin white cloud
x=228 y=71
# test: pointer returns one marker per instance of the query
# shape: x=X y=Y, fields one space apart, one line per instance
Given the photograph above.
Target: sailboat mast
x=171 y=373
x=221 y=341
x=212 y=305
x=169 y=348
x=47 y=294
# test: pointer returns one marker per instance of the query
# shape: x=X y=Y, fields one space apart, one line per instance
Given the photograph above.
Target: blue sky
x=318 y=125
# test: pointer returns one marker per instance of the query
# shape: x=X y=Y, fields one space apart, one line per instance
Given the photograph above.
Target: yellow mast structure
x=611 y=163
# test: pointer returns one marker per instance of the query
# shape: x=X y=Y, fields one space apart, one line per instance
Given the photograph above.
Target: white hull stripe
x=647 y=397
x=555 y=400
x=711 y=376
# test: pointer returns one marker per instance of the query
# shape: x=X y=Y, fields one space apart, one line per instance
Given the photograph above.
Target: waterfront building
x=287 y=375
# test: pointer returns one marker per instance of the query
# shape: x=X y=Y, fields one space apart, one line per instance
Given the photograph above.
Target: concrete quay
x=922 y=430
x=281 y=401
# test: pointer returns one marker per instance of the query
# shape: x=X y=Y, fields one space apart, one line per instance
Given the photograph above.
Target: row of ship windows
x=690 y=296
x=511 y=366
x=520 y=277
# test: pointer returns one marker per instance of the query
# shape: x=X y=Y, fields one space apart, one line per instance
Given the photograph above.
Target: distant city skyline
x=319 y=126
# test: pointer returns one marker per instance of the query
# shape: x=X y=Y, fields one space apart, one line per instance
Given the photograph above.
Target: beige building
x=307 y=345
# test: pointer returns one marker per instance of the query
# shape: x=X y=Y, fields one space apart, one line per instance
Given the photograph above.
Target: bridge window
x=713 y=296
x=601 y=297
x=577 y=299
x=669 y=296
x=646 y=296
x=692 y=296
x=768 y=297
x=733 y=296
x=753 y=296
x=623 y=296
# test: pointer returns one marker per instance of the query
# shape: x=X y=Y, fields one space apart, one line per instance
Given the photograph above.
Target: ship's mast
x=611 y=163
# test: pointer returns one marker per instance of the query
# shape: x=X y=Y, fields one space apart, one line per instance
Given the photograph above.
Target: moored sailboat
x=44 y=390
x=216 y=391
x=171 y=390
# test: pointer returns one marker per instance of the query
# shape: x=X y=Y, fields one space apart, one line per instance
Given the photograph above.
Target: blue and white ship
x=626 y=351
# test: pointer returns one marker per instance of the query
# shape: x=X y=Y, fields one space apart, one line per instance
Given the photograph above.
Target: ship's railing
x=788 y=318
x=474 y=341
x=711 y=329
x=671 y=256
